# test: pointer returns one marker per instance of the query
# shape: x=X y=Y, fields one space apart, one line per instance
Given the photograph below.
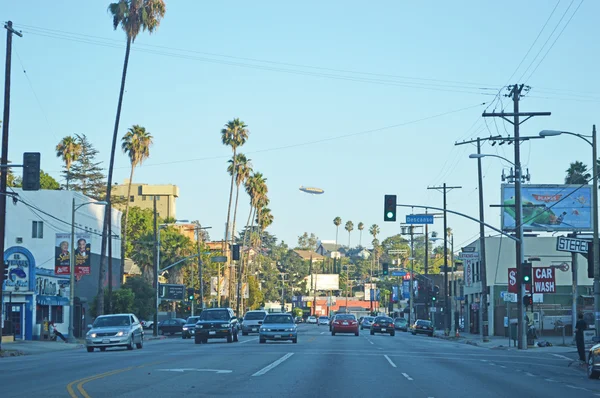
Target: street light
x=72 y=266
x=488 y=155
x=595 y=240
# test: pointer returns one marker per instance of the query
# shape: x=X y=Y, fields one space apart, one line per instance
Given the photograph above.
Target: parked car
x=401 y=324
x=298 y=319
x=593 y=364
x=117 y=330
x=383 y=324
x=189 y=327
x=422 y=326
x=311 y=319
x=344 y=323
x=171 y=326
x=216 y=323
x=252 y=321
x=278 y=327
x=147 y=324
x=366 y=323
x=323 y=320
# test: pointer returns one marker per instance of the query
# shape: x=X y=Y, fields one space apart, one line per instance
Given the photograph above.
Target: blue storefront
x=18 y=299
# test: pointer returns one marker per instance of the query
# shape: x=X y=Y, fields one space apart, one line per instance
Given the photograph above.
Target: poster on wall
x=62 y=254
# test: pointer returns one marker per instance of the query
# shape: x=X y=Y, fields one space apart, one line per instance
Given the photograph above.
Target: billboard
x=324 y=282
x=555 y=207
x=368 y=288
x=62 y=254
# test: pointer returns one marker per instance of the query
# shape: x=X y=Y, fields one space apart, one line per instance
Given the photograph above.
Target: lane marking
x=562 y=357
x=245 y=341
x=502 y=366
x=273 y=365
x=529 y=374
x=194 y=370
x=322 y=332
x=369 y=341
x=390 y=361
x=407 y=376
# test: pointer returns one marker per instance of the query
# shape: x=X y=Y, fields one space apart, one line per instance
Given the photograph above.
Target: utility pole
x=411 y=300
x=4 y=159
x=515 y=94
x=447 y=320
x=156 y=266
x=283 y=274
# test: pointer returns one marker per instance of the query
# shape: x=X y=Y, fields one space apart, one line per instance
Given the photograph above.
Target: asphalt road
x=318 y=365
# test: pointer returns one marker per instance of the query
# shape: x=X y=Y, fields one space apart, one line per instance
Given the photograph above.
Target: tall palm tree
x=361 y=226
x=135 y=144
x=264 y=219
x=577 y=173
x=374 y=230
x=243 y=169
x=132 y=16
x=69 y=150
x=233 y=134
x=337 y=222
x=349 y=227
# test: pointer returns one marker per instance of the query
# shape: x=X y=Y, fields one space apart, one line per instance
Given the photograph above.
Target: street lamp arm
x=178 y=262
x=551 y=133
x=466 y=216
x=488 y=155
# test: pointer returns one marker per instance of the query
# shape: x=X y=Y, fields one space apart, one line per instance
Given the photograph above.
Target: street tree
x=69 y=150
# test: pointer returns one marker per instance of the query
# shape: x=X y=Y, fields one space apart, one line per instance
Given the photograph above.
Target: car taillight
x=375 y=324
x=352 y=322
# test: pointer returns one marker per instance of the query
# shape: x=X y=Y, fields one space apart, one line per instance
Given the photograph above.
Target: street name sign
x=573 y=245
x=398 y=273
x=171 y=292
x=419 y=219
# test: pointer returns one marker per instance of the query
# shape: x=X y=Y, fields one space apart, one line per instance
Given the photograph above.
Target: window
x=37 y=229
x=157 y=197
x=151 y=197
x=131 y=198
x=54 y=313
x=144 y=197
x=57 y=314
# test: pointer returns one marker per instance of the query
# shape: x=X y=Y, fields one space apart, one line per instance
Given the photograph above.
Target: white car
x=323 y=320
x=311 y=319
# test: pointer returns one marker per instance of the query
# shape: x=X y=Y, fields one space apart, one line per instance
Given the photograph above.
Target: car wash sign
x=544 y=280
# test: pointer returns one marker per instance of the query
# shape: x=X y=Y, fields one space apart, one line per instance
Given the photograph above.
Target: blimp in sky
x=312 y=190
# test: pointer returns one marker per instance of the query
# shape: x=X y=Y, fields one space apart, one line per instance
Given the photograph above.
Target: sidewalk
x=502 y=343
x=33 y=347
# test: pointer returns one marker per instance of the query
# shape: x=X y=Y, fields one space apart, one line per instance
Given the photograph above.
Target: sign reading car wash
x=544 y=280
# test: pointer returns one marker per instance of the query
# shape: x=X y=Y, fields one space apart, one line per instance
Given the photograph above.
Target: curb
x=150 y=338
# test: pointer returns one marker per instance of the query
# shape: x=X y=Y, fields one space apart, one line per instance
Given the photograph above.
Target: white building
x=38 y=285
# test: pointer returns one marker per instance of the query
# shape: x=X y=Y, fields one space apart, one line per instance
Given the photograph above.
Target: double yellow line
x=78 y=384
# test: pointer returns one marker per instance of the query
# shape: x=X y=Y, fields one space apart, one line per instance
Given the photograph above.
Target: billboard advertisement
x=62 y=254
x=368 y=288
x=549 y=207
x=324 y=282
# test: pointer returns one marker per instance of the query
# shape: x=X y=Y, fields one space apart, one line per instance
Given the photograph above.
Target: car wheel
x=235 y=336
x=183 y=336
x=590 y=368
x=244 y=333
x=140 y=345
x=392 y=334
x=262 y=341
x=372 y=333
x=90 y=349
x=197 y=340
x=102 y=349
x=160 y=331
x=295 y=341
x=414 y=333
x=356 y=334
x=332 y=333
x=230 y=338
x=130 y=344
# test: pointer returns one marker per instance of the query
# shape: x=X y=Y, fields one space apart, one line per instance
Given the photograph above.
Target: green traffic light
x=526 y=279
x=390 y=214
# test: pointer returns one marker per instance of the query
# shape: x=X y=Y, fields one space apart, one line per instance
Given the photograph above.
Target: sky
x=358 y=99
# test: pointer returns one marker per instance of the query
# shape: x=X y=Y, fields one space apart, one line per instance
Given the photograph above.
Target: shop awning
x=52 y=300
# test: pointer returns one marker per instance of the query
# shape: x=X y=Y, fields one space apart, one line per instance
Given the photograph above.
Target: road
x=319 y=364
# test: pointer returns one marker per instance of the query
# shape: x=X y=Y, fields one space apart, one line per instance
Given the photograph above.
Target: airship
x=311 y=190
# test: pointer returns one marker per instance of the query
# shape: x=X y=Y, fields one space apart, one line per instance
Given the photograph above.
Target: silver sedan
x=117 y=330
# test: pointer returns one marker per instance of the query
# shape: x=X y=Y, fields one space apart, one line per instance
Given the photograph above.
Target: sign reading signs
x=573 y=245
x=512 y=280
x=544 y=280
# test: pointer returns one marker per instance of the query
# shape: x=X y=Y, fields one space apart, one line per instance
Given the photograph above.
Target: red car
x=344 y=323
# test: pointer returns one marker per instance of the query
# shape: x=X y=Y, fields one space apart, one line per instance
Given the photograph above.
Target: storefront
x=18 y=293
x=52 y=301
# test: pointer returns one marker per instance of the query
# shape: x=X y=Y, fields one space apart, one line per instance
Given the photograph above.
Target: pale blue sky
x=283 y=68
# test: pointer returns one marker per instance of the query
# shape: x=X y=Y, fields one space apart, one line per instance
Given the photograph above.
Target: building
x=142 y=196
x=37 y=250
x=327 y=248
x=500 y=256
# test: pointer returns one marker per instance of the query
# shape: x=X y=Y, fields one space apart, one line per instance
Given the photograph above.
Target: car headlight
x=224 y=325
x=120 y=333
x=289 y=329
x=92 y=335
x=185 y=328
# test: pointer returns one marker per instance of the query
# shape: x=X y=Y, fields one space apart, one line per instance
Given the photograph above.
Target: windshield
x=383 y=319
x=112 y=321
x=345 y=318
x=278 y=319
x=214 y=316
x=424 y=323
x=368 y=319
x=400 y=320
x=323 y=317
x=253 y=316
x=192 y=319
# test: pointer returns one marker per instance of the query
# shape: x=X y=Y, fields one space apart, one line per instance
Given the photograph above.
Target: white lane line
x=369 y=341
x=245 y=341
x=322 y=332
x=407 y=376
x=274 y=364
x=562 y=357
x=529 y=374
x=390 y=361
x=502 y=366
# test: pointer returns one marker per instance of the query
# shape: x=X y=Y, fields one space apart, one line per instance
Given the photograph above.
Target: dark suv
x=216 y=323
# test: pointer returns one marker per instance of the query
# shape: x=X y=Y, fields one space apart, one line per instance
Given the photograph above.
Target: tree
x=143 y=302
x=349 y=227
x=132 y=16
x=255 y=299
x=577 y=173
x=241 y=168
x=140 y=224
x=87 y=175
x=306 y=242
x=136 y=144
x=361 y=226
x=374 y=231
x=337 y=222
x=46 y=181
x=69 y=150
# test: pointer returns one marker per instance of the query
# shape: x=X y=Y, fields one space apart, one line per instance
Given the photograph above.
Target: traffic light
x=386 y=269
x=31 y=171
x=528 y=300
x=235 y=252
x=389 y=208
x=526 y=271
x=190 y=293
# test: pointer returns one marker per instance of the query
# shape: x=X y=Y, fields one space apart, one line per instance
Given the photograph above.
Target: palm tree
x=361 y=226
x=69 y=150
x=264 y=219
x=233 y=134
x=132 y=16
x=374 y=230
x=349 y=227
x=243 y=168
x=136 y=144
x=337 y=222
x=577 y=173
